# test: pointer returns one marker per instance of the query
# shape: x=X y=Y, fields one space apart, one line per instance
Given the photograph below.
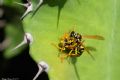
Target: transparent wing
x=93 y=37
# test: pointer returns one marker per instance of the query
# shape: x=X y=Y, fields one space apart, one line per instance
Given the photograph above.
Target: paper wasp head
x=75 y=35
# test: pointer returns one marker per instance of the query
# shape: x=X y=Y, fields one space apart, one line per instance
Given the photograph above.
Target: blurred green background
x=91 y=17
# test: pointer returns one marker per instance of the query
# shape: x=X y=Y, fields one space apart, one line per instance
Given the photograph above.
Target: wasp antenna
x=73 y=28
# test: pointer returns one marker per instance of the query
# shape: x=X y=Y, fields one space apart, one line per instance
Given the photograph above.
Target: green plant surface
x=91 y=17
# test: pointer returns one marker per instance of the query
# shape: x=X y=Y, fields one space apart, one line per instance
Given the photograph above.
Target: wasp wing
x=93 y=37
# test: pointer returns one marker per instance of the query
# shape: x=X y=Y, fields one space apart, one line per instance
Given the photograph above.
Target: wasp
x=71 y=44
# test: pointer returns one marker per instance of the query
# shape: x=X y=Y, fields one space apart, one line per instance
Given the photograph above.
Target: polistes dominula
x=72 y=44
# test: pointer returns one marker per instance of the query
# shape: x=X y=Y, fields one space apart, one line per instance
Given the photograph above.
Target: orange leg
x=88 y=51
x=62 y=57
x=58 y=47
x=66 y=55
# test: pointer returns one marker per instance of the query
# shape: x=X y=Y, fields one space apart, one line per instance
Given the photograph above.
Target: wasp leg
x=61 y=49
x=65 y=56
x=76 y=51
x=58 y=47
x=70 y=52
x=88 y=52
x=62 y=57
x=74 y=55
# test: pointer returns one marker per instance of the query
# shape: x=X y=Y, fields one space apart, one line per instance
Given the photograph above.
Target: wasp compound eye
x=72 y=34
